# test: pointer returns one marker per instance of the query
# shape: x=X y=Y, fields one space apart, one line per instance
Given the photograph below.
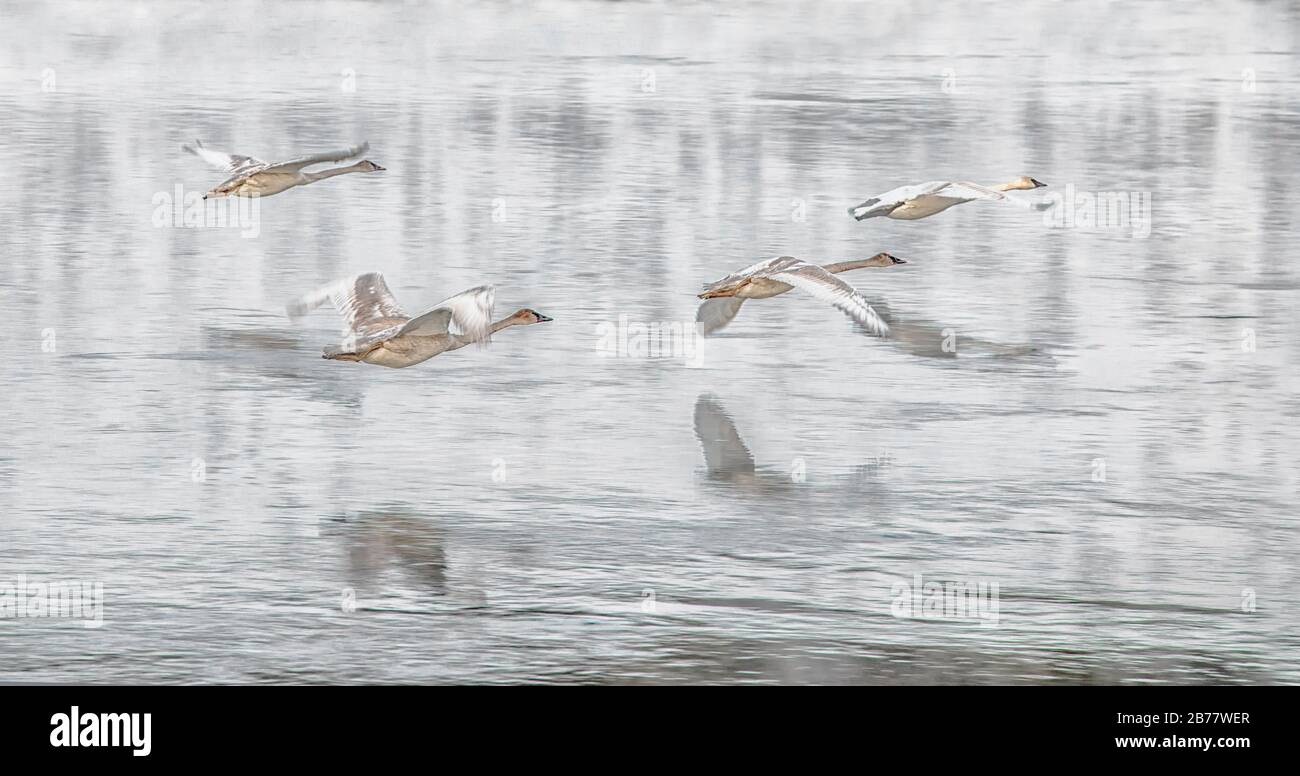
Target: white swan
x=251 y=177
x=377 y=331
x=776 y=276
x=908 y=203
x=715 y=314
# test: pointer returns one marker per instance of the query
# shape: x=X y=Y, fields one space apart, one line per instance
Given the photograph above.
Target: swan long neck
x=323 y=174
x=504 y=323
x=461 y=340
x=845 y=266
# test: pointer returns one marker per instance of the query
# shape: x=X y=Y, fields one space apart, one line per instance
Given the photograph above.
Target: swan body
x=377 y=331
x=908 y=203
x=250 y=177
x=771 y=277
x=717 y=311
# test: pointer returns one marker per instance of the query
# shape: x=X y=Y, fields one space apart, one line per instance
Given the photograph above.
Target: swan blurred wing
x=883 y=204
x=828 y=288
x=235 y=164
x=368 y=308
x=714 y=314
x=971 y=191
x=469 y=311
x=724 y=449
x=294 y=165
x=762 y=268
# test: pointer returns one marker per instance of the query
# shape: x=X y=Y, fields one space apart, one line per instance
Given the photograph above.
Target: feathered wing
x=970 y=191
x=294 y=165
x=714 y=314
x=469 y=311
x=764 y=267
x=883 y=204
x=828 y=288
x=368 y=308
x=724 y=449
x=233 y=164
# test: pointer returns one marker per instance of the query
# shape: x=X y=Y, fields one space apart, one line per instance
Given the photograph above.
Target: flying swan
x=908 y=203
x=776 y=276
x=715 y=314
x=377 y=331
x=251 y=177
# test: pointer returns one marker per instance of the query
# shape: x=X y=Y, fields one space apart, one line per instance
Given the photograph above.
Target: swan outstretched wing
x=294 y=165
x=368 y=308
x=828 y=288
x=714 y=314
x=229 y=163
x=970 y=191
x=761 y=269
x=469 y=311
x=883 y=204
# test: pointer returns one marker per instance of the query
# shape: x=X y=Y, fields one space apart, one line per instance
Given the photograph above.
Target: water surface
x=536 y=511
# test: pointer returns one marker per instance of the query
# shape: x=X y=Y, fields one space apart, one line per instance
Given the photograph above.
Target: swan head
x=365 y=165
x=526 y=316
x=1024 y=183
x=883 y=259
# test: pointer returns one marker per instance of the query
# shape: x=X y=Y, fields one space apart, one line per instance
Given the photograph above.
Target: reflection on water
x=410 y=544
x=725 y=453
x=1116 y=452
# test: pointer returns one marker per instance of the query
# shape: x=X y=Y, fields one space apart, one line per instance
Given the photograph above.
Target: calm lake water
x=1114 y=444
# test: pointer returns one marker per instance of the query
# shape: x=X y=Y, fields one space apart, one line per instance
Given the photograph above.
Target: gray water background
x=536 y=511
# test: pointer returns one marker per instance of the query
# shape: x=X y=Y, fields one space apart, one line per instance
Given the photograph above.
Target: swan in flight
x=776 y=276
x=908 y=203
x=251 y=177
x=377 y=331
x=715 y=314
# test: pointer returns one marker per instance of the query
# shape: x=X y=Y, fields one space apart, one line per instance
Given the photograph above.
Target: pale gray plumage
x=252 y=177
x=910 y=203
x=775 y=276
x=372 y=316
x=714 y=314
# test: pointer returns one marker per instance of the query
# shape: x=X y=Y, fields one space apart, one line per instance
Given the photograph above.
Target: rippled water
x=1114 y=444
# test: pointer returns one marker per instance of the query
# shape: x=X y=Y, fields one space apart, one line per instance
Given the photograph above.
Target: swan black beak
x=1037 y=183
x=542 y=318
